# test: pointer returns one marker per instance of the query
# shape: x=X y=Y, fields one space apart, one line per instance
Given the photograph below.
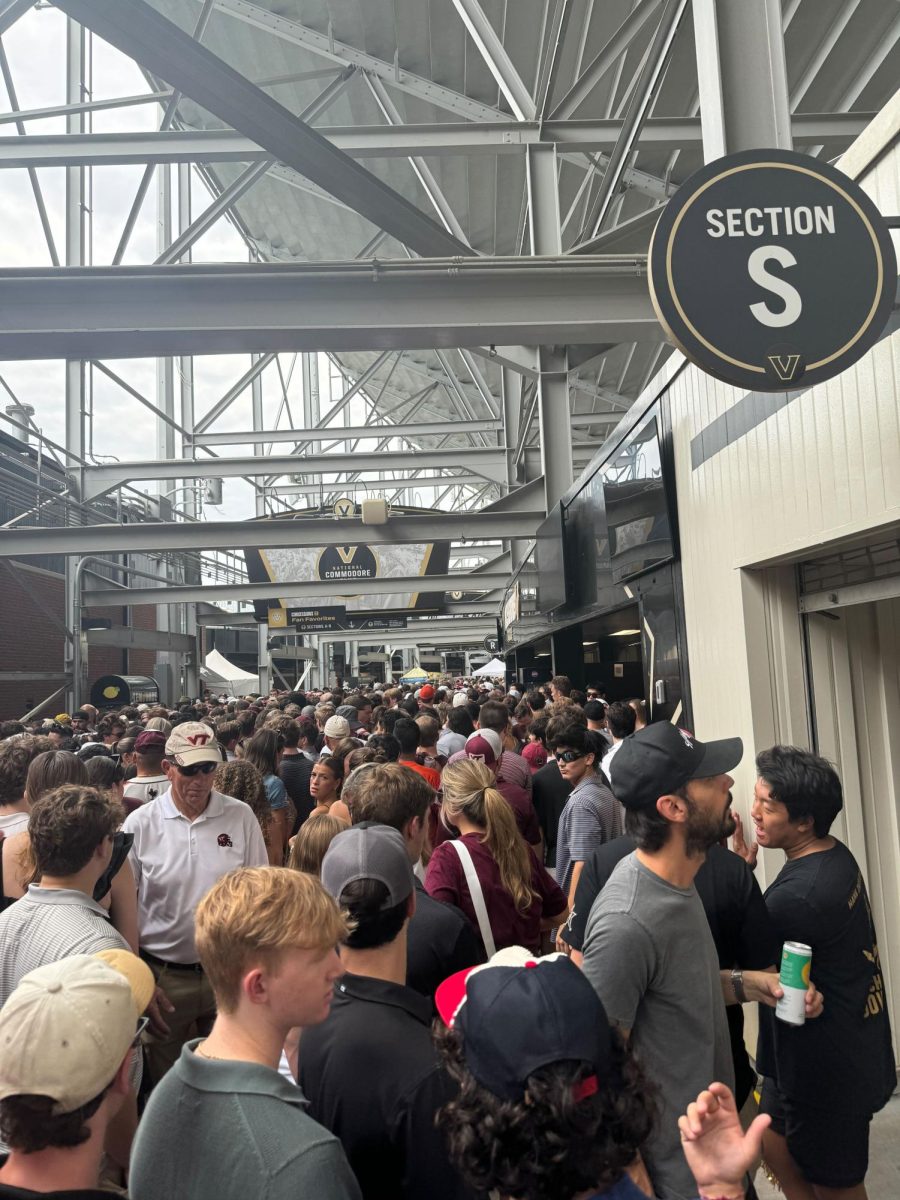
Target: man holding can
x=648 y=949
x=823 y=1081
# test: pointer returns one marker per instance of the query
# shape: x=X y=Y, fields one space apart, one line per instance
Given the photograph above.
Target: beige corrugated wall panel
x=823 y=468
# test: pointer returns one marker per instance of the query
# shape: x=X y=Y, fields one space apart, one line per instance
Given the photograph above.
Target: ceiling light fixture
x=624 y=632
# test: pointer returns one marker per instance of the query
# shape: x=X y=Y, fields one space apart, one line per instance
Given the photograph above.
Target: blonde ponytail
x=468 y=787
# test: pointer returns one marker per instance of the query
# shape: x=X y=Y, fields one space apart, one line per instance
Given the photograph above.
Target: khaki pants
x=195 y=1011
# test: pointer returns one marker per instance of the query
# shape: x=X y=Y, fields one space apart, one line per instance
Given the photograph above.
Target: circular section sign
x=771 y=270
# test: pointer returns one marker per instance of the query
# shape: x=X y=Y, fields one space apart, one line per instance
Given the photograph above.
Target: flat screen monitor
x=549 y=555
x=587 y=551
x=637 y=514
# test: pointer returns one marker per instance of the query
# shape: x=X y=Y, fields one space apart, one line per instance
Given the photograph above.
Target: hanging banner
x=339 y=566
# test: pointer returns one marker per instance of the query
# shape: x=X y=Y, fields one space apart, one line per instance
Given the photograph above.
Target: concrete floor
x=883 y=1179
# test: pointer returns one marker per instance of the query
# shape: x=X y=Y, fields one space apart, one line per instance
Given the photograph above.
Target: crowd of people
x=454 y=941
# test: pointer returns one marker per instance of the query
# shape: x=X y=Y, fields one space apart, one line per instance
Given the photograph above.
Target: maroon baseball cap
x=485 y=745
x=427 y=692
x=150 y=739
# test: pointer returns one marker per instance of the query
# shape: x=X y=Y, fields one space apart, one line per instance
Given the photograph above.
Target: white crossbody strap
x=477 y=895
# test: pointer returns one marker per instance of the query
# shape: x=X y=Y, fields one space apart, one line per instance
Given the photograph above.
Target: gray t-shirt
x=650 y=955
x=223 y=1130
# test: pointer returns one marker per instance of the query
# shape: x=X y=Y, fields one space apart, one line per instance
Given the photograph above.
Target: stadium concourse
x=449 y=599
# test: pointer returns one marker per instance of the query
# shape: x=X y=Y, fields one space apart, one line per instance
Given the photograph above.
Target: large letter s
x=793 y=305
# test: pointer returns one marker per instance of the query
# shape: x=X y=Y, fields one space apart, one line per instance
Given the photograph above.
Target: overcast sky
x=35 y=46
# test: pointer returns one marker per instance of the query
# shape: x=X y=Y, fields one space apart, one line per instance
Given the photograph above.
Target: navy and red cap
x=518 y=1013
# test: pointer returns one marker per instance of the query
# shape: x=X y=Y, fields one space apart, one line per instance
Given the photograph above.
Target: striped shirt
x=592 y=816
x=48 y=924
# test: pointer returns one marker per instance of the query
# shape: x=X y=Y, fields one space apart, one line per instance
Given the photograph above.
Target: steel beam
x=105 y=476
x=327 y=46
x=180 y=594
x=493 y=52
x=741 y=73
x=351 y=432
x=160 y=46
x=112 y=539
x=11 y=11
x=230 y=195
x=32 y=173
x=100 y=312
x=383 y=141
x=84 y=106
x=141 y=639
x=378 y=486
x=605 y=59
x=421 y=169
x=646 y=87
x=253 y=371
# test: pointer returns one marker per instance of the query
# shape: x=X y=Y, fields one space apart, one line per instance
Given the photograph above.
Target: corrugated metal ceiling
x=286 y=218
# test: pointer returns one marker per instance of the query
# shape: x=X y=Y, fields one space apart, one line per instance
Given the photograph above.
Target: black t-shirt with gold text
x=842 y=1059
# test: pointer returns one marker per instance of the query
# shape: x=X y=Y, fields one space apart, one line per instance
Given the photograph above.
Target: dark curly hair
x=28 y=1123
x=548 y=1146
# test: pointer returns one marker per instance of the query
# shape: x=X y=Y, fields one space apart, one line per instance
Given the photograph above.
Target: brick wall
x=30 y=641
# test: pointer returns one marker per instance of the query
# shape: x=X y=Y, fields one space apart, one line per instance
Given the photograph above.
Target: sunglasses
x=141 y=1026
x=567 y=756
x=200 y=768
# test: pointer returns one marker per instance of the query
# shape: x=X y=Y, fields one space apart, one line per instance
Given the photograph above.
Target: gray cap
x=369 y=852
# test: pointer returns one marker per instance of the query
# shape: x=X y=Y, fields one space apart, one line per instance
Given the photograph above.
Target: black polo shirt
x=440 y=942
x=372 y=1077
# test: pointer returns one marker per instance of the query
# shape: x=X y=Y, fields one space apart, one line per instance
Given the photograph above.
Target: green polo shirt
x=217 y=1130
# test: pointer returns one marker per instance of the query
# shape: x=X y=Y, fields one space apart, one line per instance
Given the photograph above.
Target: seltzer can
x=794 y=979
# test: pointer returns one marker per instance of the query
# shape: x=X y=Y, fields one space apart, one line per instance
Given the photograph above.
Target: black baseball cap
x=661 y=758
x=518 y=1013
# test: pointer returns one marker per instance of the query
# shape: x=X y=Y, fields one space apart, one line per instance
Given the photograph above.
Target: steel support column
x=553 y=385
x=741 y=73
x=75 y=368
x=512 y=389
x=192 y=506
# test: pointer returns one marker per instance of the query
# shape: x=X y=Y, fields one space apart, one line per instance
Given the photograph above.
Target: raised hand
x=748 y=853
x=718 y=1151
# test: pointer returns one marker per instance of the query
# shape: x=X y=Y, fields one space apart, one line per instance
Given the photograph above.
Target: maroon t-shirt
x=445 y=880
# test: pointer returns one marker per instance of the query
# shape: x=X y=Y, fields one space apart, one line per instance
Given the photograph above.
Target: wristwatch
x=737 y=983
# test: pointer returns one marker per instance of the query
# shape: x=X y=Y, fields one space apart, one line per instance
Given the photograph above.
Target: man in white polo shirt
x=186 y=840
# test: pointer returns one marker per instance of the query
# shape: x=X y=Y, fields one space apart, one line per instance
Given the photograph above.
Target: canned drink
x=794 y=979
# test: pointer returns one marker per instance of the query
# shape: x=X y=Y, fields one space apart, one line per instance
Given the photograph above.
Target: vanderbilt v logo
x=347 y=553
x=785 y=365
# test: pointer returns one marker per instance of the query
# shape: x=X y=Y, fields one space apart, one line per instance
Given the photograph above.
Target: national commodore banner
x=339 y=565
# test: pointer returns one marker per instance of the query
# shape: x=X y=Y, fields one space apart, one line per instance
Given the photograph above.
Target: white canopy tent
x=218 y=670
x=495 y=668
